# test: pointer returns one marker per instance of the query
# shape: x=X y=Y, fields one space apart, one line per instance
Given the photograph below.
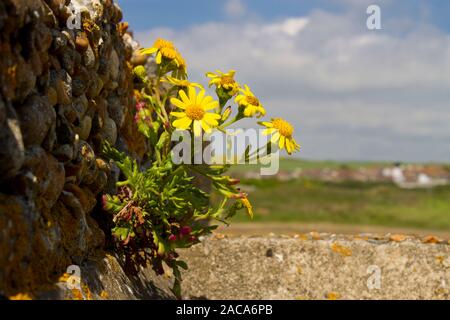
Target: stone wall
x=317 y=266
x=63 y=89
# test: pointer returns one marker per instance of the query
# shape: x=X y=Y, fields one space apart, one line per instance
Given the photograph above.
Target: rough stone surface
x=56 y=84
x=317 y=267
x=103 y=279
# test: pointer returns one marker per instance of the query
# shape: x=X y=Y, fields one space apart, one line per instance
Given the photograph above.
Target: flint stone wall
x=62 y=92
x=64 y=88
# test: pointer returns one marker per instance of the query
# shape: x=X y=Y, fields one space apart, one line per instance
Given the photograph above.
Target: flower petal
x=178 y=114
x=205 y=127
x=281 y=142
x=182 y=123
x=192 y=94
x=184 y=97
x=289 y=146
x=210 y=106
x=158 y=57
x=149 y=51
x=275 y=137
x=268 y=131
x=176 y=102
x=197 y=128
x=267 y=124
x=200 y=96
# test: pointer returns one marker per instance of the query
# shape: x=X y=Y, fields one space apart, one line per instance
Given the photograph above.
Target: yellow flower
x=282 y=132
x=166 y=49
x=194 y=111
x=181 y=83
x=248 y=206
x=224 y=80
x=181 y=63
x=163 y=48
x=250 y=103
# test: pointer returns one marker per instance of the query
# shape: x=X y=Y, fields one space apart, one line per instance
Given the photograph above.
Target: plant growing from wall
x=159 y=207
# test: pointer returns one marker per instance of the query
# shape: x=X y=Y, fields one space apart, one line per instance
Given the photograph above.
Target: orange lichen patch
x=440 y=259
x=64 y=277
x=104 y=294
x=77 y=294
x=122 y=28
x=83 y=294
x=219 y=236
x=21 y=296
x=299 y=270
x=341 y=249
x=333 y=296
x=364 y=238
x=441 y=291
x=301 y=236
x=11 y=73
x=315 y=235
x=431 y=239
x=90 y=26
x=397 y=237
x=87 y=292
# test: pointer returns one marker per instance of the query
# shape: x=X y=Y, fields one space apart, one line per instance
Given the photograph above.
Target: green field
x=290 y=164
x=381 y=204
x=306 y=200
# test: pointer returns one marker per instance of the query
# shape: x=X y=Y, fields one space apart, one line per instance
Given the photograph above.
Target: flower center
x=252 y=100
x=227 y=80
x=195 y=112
x=161 y=43
x=168 y=53
x=284 y=127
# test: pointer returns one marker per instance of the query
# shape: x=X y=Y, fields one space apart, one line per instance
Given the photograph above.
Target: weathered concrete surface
x=105 y=279
x=318 y=267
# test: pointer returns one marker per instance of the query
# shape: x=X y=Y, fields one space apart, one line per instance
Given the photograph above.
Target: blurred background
x=371 y=108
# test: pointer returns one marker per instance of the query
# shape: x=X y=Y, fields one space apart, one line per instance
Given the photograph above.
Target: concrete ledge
x=318 y=267
x=105 y=278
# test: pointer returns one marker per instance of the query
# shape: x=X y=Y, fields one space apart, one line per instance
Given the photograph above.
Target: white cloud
x=234 y=8
x=290 y=26
x=351 y=92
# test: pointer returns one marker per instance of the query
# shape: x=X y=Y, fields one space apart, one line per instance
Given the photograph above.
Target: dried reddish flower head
x=186 y=230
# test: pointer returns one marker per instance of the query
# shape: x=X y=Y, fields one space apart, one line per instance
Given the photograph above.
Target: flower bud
x=140 y=105
x=105 y=202
x=233 y=182
x=140 y=72
x=184 y=231
x=239 y=195
x=226 y=113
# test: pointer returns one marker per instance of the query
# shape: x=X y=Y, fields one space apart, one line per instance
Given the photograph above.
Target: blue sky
x=147 y=14
x=352 y=93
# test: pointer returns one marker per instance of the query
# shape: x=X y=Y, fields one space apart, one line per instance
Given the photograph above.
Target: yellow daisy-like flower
x=181 y=63
x=250 y=103
x=224 y=80
x=282 y=132
x=181 y=83
x=248 y=206
x=194 y=111
x=165 y=49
